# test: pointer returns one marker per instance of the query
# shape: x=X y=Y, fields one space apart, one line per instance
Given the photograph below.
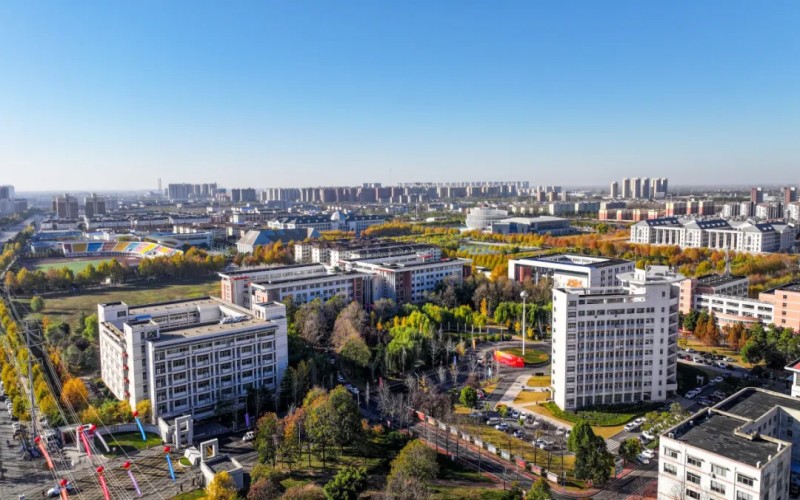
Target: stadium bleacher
x=132 y=249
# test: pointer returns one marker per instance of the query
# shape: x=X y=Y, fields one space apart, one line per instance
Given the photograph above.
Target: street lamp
x=524 y=296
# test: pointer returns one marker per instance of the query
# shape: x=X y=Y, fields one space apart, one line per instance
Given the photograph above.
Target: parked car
x=631 y=427
x=513 y=414
x=649 y=435
x=716 y=380
x=643 y=459
x=492 y=421
x=55 y=491
x=249 y=436
x=647 y=452
x=501 y=427
x=690 y=350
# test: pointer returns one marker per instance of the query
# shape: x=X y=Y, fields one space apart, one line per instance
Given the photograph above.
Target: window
x=741 y=495
x=692 y=493
x=692 y=478
x=670 y=469
x=717 y=487
x=745 y=480
x=671 y=453
x=696 y=462
x=718 y=471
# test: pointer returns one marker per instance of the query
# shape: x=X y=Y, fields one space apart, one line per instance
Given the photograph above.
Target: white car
x=643 y=459
x=249 y=436
x=632 y=426
x=716 y=380
x=649 y=435
x=647 y=452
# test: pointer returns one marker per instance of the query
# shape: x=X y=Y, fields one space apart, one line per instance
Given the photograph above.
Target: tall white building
x=743 y=448
x=616 y=345
x=570 y=270
x=188 y=356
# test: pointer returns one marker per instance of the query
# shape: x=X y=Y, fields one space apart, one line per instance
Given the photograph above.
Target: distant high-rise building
x=789 y=195
x=626 y=188
x=614 y=191
x=646 y=194
x=6 y=192
x=65 y=207
x=180 y=192
x=756 y=195
x=636 y=188
x=94 y=205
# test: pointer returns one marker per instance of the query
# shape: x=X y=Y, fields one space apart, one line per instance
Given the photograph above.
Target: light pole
x=524 y=296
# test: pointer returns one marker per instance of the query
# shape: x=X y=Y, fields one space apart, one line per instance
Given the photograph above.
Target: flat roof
x=578 y=260
x=788 y=287
x=210 y=328
x=413 y=264
x=258 y=269
x=342 y=274
x=714 y=432
x=751 y=404
x=718 y=279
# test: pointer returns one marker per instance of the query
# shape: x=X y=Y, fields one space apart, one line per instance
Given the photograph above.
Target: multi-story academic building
x=616 y=345
x=744 y=448
x=188 y=356
x=571 y=271
x=718 y=234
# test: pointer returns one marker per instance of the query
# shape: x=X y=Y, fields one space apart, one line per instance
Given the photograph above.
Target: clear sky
x=111 y=95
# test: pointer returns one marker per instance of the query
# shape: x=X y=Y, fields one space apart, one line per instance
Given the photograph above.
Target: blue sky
x=110 y=95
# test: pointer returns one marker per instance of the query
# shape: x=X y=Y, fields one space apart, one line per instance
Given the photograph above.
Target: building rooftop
x=577 y=260
x=257 y=269
x=715 y=433
x=788 y=287
x=751 y=403
x=713 y=280
x=534 y=220
x=300 y=279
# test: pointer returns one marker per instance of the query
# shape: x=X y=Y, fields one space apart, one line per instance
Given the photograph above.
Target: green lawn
x=532 y=356
x=67 y=306
x=76 y=265
x=191 y=495
x=132 y=441
x=599 y=418
x=467 y=492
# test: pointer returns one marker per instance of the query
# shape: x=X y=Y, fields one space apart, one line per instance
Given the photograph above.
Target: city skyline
x=293 y=94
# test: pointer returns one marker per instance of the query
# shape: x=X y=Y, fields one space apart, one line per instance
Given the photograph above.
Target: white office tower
x=616 y=345
x=188 y=357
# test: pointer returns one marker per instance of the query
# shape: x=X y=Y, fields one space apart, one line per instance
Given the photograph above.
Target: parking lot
x=18 y=471
x=526 y=427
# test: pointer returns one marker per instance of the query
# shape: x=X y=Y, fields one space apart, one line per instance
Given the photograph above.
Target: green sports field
x=67 y=306
x=74 y=265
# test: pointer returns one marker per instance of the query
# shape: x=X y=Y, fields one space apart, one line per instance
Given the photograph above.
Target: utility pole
x=524 y=296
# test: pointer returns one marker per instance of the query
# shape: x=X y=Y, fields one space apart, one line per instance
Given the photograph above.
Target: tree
x=752 y=352
x=37 y=304
x=75 y=394
x=268 y=434
x=416 y=460
x=90 y=328
x=144 y=408
x=540 y=490
x=346 y=414
x=346 y=484
x=264 y=489
x=468 y=397
x=592 y=459
x=222 y=487
x=630 y=449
